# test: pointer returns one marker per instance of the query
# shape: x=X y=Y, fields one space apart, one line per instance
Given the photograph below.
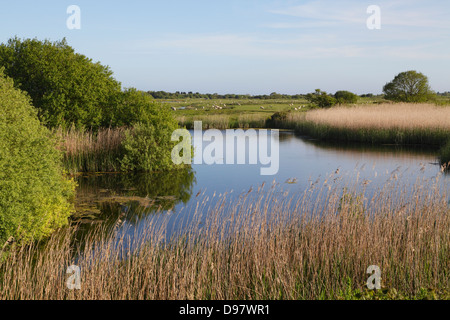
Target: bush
x=445 y=154
x=34 y=195
x=132 y=106
x=148 y=146
x=343 y=97
x=66 y=87
x=277 y=119
x=321 y=99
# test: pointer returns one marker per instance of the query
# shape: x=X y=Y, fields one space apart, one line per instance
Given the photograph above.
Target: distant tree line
x=342 y=96
x=161 y=95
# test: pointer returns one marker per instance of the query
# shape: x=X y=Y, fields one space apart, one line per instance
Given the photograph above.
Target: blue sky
x=247 y=46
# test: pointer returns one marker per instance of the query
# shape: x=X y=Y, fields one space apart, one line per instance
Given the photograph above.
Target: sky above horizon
x=247 y=46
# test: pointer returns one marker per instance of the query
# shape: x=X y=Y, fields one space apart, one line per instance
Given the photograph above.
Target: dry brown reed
x=91 y=151
x=266 y=245
x=384 y=116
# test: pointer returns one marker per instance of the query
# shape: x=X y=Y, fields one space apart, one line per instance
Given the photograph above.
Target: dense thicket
x=34 y=195
x=66 y=87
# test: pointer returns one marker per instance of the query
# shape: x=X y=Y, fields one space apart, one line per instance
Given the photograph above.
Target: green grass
x=401 y=136
x=445 y=154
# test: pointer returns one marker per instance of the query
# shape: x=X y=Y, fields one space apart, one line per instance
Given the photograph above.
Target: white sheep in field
x=174 y=109
x=262 y=108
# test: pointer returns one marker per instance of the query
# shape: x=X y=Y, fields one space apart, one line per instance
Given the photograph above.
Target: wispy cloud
x=325 y=13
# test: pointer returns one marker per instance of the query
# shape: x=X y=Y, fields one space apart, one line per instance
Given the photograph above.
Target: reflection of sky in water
x=304 y=162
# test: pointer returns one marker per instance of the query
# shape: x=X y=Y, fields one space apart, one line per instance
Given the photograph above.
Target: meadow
x=314 y=246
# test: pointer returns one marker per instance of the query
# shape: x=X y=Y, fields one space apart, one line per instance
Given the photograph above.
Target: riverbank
x=376 y=124
x=253 y=250
x=402 y=124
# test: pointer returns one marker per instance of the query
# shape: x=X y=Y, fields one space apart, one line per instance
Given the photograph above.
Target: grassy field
x=262 y=247
x=228 y=114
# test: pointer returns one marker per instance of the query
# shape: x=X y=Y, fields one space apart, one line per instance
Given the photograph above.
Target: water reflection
x=113 y=199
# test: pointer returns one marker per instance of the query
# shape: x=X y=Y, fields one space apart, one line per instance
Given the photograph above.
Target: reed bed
x=403 y=124
x=225 y=121
x=445 y=154
x=89 y=151
x=267 y=245
x=385 y=116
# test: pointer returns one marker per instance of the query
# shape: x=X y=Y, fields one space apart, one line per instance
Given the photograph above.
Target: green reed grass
x=89 y=151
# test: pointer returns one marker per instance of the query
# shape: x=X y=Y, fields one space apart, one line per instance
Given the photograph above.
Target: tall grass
x=224 y=121
x=89 y=151
x=445 y=154
x=424 y=124
x=386 y=123
x=264 y=246
x=385 y=116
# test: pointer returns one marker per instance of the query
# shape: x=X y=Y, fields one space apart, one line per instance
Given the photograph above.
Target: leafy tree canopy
x=343 y=97
x=65 y=87
x=321 y=99
x=34 y=195
x=409 y=86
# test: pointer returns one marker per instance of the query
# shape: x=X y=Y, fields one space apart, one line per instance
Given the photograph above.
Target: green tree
x=409 y=86
x=66 y=87
x=148 y=146
x=132 y=106
x=34 y=195
x=343 y=97
x=321 y=99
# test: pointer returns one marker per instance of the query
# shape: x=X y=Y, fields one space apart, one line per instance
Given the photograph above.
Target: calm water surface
x=110 y=197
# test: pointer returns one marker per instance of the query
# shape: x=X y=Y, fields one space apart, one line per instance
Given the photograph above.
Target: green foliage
x=277 y=119
x=132 y=106
x=34 y=195
x=321 y=99
x=66 y=87
x=393 y=294
x=148 y=146
x=445 y=154
x=343 y=97
x=409 y=86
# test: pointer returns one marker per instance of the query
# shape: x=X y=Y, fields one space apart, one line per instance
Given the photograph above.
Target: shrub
x=34 y=195
x=321 y=99
x=66 y=87
x=445 y=154
x=277 y=119
x=343 y=97
x=132 y=106
x=148 y=146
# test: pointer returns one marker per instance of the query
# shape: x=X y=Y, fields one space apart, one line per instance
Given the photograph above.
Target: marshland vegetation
x=67 y=115
x=316 y=246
